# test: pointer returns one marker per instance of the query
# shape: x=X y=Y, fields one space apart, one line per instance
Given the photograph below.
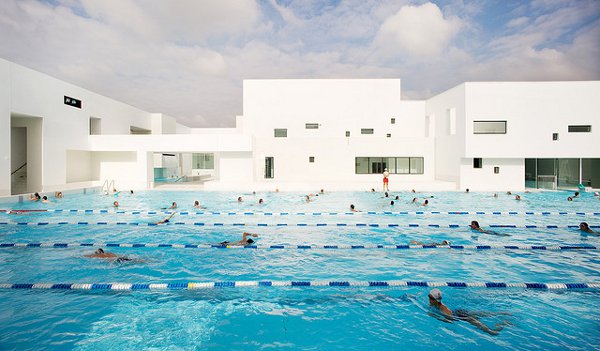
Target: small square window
x=554 y=136
x=496 y=170
x=393 y=121
x=366 y=131
x=388 y=135
x=280 y=133
x=311 y=125
x=311 y=159
x=347 y=133
x=477 y=163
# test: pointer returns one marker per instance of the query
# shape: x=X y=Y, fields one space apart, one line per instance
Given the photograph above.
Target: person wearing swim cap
x=166 y=220
x=244 y=242
x=435 y=301
x=584 y=227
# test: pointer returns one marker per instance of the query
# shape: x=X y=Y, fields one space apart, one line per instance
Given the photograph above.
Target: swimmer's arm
x=244 y=236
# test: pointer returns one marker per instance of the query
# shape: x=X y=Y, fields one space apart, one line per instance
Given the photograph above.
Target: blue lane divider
x=304 y=247
x=294 y=283
x=233 y=213
x=221 y=224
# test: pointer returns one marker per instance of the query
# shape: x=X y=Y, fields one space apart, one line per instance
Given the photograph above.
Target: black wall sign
x=72 y=102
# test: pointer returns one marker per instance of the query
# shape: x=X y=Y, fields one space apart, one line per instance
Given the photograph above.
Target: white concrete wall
x=123 y=167
x=511 y=176
x=235 y=168
x=533 y=111
x=5 y=138
x=449 y=149
x=79 y=166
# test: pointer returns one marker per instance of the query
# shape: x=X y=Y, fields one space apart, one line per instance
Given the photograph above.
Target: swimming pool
x=309 y=243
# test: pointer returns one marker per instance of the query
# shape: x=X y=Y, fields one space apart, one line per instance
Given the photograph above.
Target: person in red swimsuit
x=386 y=181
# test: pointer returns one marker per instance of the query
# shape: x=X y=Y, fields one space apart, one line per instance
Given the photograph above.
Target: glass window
x=390 y=164
x=362 y=165
x=366 y=131
x=416 y=165
x=281 y=133
x=393 y=121
x=389 y=135
x=311 y=159
x=554 y=136
x=347 y=133
x=203 y=161
x=312 y=125
x=269 y=168
x=580 y=129
x=377 y=164
x=402 y=165
x=489 y=127
x=477 y=163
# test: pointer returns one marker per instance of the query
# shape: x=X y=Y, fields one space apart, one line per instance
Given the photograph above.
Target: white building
x=304 y=134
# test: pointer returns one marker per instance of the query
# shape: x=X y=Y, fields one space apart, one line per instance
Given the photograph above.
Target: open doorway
x=26 y=154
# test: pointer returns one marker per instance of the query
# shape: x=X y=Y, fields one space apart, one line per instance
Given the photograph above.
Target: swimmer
x=475 y=226
x=596 y=194
x=130 y=192
x=518 y=197
x=569 y=199
x=173 y=206
x=166 y=220
x=116 y=204
x=443 y=243
x=45 y=199
x=307 y=198
x=508 y=193
x=584 y=227
x=414 y=200
x=435 y=301
x=244 y=242
x=466 y=191
x=372 y=190
x=413 y=191
x=58 y=195
x=576 y=194
x=386 y=194
x=110 y=256
x=239 y=199
x=425 y=203
x=353 y=209
x=392 y=203
x=35 y=197
x=196 y=204
x=397 y=197
x=495 y=195
x=261 y=201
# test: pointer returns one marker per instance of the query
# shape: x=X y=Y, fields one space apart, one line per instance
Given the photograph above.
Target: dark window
x=393 y=121
x=395 y=165
x=477 y=163
x=554 y=136
x=388 y=135
x=311 y=159
x=496 y=170
x=580 y=129
x=269 y=167
x=312 y=125
x=280 y=133
x=366 y=131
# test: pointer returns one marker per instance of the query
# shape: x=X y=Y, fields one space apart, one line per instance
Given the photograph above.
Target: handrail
x=18 y=169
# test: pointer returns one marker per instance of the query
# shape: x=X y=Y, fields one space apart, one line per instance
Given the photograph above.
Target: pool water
x=349 y=318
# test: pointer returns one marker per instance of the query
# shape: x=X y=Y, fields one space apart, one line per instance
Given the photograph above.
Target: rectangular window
x=496 y=170
x=139 y=131
x=489 y=127
x=280 y=133
x=95 y=126
x=311 y=159
x=580 y=129
x=393 y=121
x=477 y=163
x=269 y=168
x=388 y=135
x=554 y=136
x=347 y=133
x=203 y=161
x=312 y=125
x=366 y=131
x=394 y=165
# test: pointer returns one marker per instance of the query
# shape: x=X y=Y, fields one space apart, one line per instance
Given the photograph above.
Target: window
x=203 y=161
x=395 y=165
x=312 y=125
x=138 y=130
x=280 y=133
x=347 y=133
x=496 y=170
x=489 y=127
x=366 y=131
x=477 y=163
x=388 y=135
x=95 y=126
x=451 y=119
x=311 y=159
x=269 y=168
x=554 y=136
x=393 y=121
x=580 y=129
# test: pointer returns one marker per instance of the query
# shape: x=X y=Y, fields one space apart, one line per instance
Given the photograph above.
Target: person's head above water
x=435 y=295
x=584 y=226
x=249 y=241
x=99 y=251
x=352 y=206
x=474 y=225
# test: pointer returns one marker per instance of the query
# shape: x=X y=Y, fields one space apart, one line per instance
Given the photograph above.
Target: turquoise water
x=297 y=317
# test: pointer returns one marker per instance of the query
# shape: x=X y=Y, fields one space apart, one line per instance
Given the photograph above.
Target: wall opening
x=26 y=154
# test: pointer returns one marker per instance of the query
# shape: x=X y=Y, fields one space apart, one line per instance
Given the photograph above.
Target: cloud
x=417 y=31
x=517 y=22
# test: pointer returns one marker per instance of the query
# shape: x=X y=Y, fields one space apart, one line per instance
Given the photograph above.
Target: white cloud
x=417 y=31
x=517 y=22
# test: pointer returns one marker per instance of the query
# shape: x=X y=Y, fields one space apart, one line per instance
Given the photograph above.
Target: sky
x=188 y=58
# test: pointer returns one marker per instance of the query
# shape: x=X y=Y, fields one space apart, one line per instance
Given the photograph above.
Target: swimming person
x=116 y=204
x=435 y=301
x=425 y=203
x=353 y=209
x=518 y=197
x=475 y=226
x=111 y=256
x=584 y=227
x=45 y=199
x=173 y=206
x=443 y=243
x=244 y=242
x=35 y=197
x=166 y=220
x=196 y=204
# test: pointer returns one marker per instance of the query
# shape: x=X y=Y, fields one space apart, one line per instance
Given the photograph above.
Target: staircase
x=18 y=180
